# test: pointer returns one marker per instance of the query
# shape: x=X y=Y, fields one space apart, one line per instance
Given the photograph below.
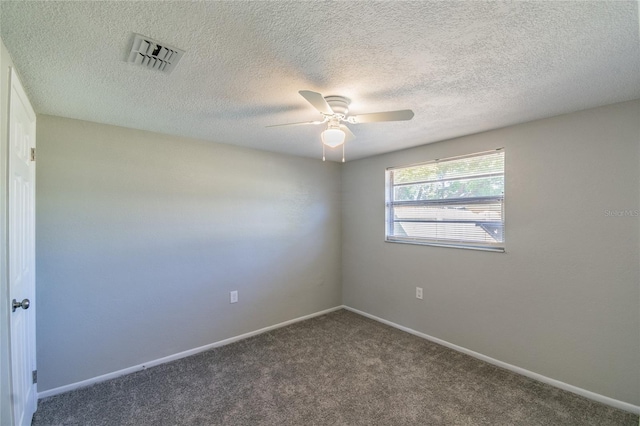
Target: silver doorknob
x=24 y=304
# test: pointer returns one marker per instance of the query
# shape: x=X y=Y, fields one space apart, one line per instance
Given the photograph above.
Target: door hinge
x=33 y=154
x=34 y=376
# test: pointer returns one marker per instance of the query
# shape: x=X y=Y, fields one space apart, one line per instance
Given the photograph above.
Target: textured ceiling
x=463 y=67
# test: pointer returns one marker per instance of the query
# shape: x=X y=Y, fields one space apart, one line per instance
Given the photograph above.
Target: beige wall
x=140 y=237
x=563 y=300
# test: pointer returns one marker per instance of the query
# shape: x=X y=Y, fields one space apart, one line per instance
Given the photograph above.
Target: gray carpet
x=337 y=369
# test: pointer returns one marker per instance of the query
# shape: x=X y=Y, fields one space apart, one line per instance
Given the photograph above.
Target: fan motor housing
x=339 y=104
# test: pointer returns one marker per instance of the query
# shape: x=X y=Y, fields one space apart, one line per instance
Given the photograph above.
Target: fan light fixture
x=333 y=137
x=334 y=110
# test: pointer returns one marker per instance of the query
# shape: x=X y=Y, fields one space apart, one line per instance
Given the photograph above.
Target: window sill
x=447 y=245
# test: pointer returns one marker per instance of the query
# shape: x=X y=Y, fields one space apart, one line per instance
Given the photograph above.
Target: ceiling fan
x=334 y=110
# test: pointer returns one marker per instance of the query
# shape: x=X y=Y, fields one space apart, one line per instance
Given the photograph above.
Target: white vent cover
x=153 y=54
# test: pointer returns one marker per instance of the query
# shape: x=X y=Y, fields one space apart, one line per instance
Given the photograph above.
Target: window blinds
x=455 y=202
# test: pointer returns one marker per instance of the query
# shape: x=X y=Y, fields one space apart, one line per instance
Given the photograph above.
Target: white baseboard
x=539 y=377
x=140 y=367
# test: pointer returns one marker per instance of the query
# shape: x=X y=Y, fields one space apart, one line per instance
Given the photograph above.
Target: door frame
x=6 y=405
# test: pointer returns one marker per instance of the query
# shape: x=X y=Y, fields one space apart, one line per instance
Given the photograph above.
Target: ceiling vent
x=153 y=54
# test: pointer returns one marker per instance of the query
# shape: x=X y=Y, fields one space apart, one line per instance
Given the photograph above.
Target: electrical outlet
x=233 y=296
x=419 y=293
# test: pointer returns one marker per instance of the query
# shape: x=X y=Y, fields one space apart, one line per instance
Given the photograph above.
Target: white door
x=21 y=233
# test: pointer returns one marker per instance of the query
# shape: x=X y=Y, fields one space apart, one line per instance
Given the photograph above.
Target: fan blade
x=405 y=114
x=297 y=124
x=317 y=100
x=348 y=135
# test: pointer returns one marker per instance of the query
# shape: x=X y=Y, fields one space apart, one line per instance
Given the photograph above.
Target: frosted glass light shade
x=333 y=137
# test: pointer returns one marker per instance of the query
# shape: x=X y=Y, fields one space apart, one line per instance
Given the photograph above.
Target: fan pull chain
x=343 y=151
x=323 y=159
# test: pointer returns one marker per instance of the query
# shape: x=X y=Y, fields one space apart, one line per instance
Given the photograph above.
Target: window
x=453 y=202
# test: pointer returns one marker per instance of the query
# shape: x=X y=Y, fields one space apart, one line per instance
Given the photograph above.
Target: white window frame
x=390 y=203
